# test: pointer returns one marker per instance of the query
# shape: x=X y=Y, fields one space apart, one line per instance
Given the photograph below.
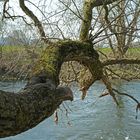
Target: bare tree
x=42 y=95
x=120 y=22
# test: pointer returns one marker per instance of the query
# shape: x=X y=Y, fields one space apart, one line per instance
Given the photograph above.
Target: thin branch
x=120 y=93
x=109 y=86
x=7 y=15
x=62 y=34
x=41 y=13
x=79 y=16
x=35 y=19
x=104 y=28
x=133 y=98
x=103 y=54
x=77 y=8
x=4 y=8
x=117 y=74
x=56 y=13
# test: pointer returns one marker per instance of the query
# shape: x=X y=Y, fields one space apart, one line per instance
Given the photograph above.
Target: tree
x=42 y=95
x=122 y=23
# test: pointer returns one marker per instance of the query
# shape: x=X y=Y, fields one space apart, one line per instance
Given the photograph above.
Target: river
x=92 y=119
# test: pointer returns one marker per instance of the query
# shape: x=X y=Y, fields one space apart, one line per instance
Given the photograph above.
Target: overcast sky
x=50 y=5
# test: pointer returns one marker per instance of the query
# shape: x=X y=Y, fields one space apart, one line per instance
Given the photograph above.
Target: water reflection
x=92 y=119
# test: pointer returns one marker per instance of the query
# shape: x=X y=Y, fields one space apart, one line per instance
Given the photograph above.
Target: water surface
x=92 y=119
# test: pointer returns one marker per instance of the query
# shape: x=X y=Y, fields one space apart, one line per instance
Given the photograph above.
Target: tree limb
x=120 y=93
x=24 y=110
x=96 y=3
x=35 y=19
x=87 y=16
x=42 y=96
x=120 y=61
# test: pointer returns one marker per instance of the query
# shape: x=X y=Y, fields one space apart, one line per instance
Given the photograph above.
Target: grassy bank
x=17 y=62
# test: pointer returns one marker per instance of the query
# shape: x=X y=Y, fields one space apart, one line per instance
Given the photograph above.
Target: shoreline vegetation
x=17 y=63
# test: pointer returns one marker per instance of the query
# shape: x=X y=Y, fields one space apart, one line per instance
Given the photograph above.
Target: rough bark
x=69 y=51
x=120 y=61
x=96 y=3
x=41 y=96
x=86 y=23
x=24 y=110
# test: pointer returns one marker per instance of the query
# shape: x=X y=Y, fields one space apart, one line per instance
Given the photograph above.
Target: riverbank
x=17 y=62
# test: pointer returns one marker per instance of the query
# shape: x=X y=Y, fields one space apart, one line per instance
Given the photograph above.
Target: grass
x=9 y=49
x=131 y=53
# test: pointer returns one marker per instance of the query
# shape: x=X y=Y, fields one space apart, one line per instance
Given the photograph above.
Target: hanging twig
x=130 y=96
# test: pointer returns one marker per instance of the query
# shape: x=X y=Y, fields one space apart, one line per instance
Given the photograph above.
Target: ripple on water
x=91 y=119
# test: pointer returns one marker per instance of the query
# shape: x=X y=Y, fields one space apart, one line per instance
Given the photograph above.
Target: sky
x=50 y=6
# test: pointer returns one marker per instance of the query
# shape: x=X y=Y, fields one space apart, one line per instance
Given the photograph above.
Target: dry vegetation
x=17 y=62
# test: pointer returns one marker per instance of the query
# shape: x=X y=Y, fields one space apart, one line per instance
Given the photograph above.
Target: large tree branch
x=86 y=23
x=120 y=61
x=96 y=3
x=24 y=110
x=41 y=96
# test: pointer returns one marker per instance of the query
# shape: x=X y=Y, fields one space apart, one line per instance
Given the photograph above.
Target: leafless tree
x=120 y=22
x=42 y=95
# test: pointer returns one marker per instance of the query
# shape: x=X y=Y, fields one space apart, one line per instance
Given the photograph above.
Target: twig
x=103 y=54
x=77 y=8
x=117 y=74
x=120 y=93
x=133 y=98
x=79 y=16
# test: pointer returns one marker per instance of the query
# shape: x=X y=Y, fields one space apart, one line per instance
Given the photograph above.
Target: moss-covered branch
x=54 y=55
x=86 y=23
x=41 y=96
x=24 y=110
x=120 y=61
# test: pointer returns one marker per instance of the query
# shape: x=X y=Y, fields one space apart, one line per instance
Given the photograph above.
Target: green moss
x=47 y=61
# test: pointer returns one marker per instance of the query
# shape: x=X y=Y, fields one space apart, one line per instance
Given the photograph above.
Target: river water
x=92 y=119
